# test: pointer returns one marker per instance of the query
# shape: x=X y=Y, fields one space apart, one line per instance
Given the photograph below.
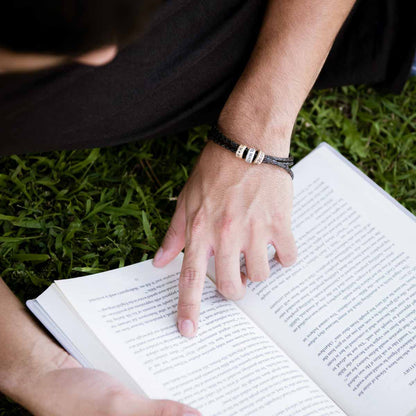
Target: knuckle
x=167 y=408
x=171 y=233
x=190 y=278
x=289 y=258
x=186 y=308
x=258 y=268
x=226 y=223
x=228 y=290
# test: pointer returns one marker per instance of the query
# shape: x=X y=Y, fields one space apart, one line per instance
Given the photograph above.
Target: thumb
x=174 y=240
x=166 y=408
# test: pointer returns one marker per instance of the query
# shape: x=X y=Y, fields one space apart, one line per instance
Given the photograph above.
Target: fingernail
x=158 y=255
x=186 y=328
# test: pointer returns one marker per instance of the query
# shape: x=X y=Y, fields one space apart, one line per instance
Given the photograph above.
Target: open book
x=335 y=334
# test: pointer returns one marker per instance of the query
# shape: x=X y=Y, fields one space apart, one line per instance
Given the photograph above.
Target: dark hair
x=70 y=27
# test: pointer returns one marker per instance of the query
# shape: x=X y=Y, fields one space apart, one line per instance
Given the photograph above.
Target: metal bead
x=259 y=158
x=240 y=151
x=250 y=155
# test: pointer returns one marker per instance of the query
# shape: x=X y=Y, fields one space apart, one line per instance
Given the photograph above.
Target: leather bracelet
x=250 y=155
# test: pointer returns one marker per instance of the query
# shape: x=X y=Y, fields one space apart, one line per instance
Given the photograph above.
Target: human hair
x=71 y=27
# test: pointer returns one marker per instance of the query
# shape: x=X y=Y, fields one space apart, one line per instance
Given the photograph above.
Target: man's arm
x=25 y=351
x=292 y=47
x=42 y=377
x=227 y=206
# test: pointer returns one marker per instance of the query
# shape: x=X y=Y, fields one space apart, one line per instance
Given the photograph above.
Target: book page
x=346 y=311
x=231 y=368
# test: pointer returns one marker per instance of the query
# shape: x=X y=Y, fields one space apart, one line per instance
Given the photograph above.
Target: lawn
x=65 y=214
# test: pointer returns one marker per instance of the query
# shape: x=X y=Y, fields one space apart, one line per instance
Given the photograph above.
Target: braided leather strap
x=250 y=155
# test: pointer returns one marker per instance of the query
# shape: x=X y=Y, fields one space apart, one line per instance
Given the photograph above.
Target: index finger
x=191 y=285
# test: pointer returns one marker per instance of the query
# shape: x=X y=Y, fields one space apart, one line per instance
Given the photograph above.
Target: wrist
x=257 y=126
x=216 y=159
x=249 y=154
x=22 y=380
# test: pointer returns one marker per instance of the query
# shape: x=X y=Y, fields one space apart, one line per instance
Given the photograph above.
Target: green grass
x=65 y=214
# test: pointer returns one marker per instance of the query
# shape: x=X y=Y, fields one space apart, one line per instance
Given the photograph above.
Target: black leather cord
x=218 y=137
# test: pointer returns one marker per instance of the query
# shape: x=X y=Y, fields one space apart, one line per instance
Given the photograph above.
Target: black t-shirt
x=375 y=46
x=181 y=71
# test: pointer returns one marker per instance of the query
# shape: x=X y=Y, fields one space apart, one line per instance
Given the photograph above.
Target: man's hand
x=227 y=207
x=74 y=391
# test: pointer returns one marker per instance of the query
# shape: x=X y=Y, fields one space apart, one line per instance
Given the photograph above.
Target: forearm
x=293 y=44
x=25 y=351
